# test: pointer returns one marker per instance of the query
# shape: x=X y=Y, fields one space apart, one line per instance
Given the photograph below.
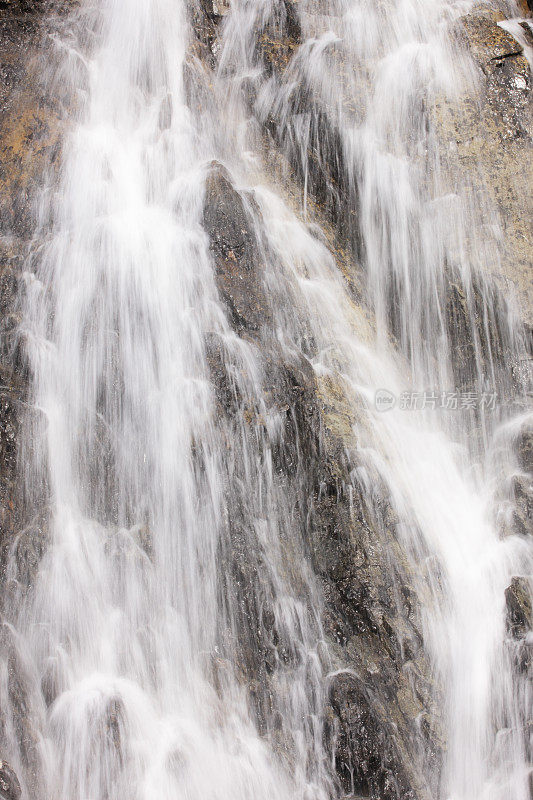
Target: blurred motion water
x=139 y=640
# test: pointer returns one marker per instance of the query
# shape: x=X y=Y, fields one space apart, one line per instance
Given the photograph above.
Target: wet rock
x=525 y=450
x=215 y=9
x=507 y=71
x=205 y=18
x=9 y=785
x=488 y=42
x=253 y=642
x=518 y=599
x=238 y=261
x=522 y=521
x=308 y=135
x=290 y=390
x=321 y=163
x=227 y=392
x=382 y=687
x=479 y=343
x=492 y=140
x=280 y=36
x=30 y=132
x=11 y=512
x=278 y=422
x=519 y=608
x=30 y=129
x=488 y=136
x=18 y=705
x=302 y=127
x=364 y=749
x=27 y=550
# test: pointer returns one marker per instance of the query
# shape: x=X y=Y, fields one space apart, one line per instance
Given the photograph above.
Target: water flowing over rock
x=265 y=405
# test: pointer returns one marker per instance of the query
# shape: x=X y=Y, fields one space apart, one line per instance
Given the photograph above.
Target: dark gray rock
x=382 y=703
x=238 y=261
x=519 y=601
x=365 y=756
x=519 y=608
x=9 y=785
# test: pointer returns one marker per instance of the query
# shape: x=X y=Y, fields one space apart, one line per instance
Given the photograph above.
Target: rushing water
x=138 y=639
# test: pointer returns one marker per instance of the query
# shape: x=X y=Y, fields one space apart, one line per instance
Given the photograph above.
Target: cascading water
x=128 y=629
x=375 y=73
x=170 y=641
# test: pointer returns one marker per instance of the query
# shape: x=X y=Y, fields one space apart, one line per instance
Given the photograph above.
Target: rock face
x=236 y=253
x=497 y=136
x=288 y=395
x=382 y=698
x=520 y=617
x=9 y=785
x=518 y=598
x=30 y=131
x=380 y=693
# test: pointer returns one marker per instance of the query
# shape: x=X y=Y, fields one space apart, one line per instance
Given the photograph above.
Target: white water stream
x=128 y=637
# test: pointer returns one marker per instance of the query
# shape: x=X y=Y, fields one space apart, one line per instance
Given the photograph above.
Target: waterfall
x=169 y=639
